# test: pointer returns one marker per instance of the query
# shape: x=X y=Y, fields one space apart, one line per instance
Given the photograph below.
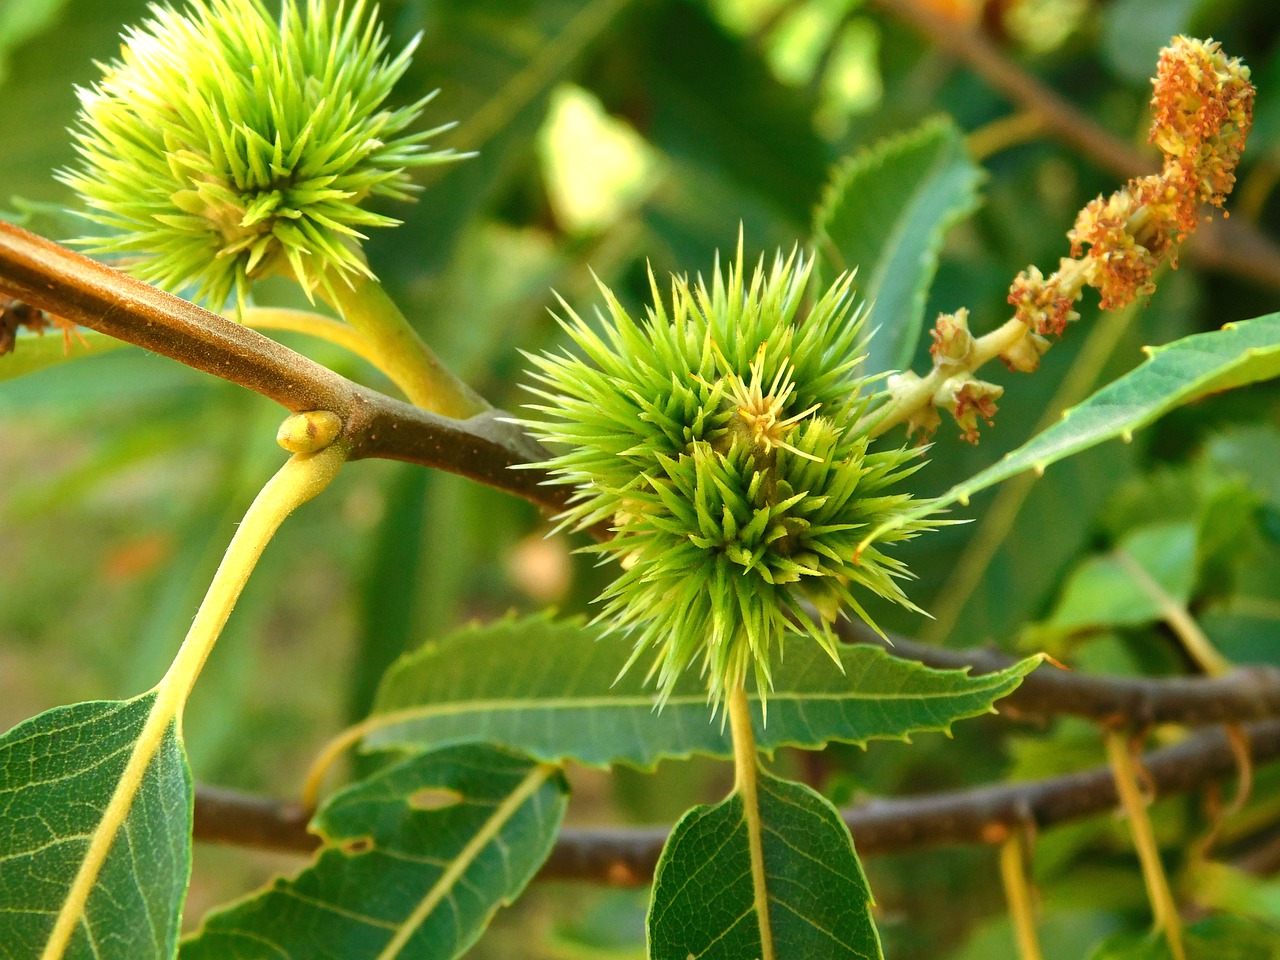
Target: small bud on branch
x=16 y=315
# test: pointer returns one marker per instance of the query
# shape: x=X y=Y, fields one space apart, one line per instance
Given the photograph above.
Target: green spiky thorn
x=716 y=440
x=224 y=145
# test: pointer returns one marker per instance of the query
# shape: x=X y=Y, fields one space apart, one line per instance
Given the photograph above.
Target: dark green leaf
x=58 y=773
x=416 y=860
x=548 y=689
x=886 y=213
x=388 y=608
x=722 y=118
x=705 y=898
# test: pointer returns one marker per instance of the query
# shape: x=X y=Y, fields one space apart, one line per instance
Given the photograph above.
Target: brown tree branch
x=53 y=278
x=43 y=274
x=1249 y=693
x=621 y=856
x=1261 y=856
x=1226 y=246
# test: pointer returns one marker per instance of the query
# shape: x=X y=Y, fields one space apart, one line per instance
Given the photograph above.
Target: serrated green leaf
x=1173 y=375
x=886 y=212
x=548 y=689
x=705 y=898
x=501 y=61
x=58 y=773
x=416 y=860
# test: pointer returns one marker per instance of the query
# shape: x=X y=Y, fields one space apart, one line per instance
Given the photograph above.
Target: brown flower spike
x=1203 y=111
x=15 y=315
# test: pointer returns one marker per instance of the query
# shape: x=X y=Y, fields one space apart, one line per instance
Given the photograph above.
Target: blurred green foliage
x=612 y=134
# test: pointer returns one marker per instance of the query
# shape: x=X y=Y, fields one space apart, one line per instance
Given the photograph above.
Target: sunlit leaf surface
x=552 y=690
x=58 y=772
x=886 y=213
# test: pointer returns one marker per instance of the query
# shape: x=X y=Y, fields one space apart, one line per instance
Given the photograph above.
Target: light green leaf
x=46 y=48
x=20 y=22
x=1223 y=886
x=886 y=212
x=1105 y=592
x=416 y=860
x=36 y=352
x=705 y=897
x=1173 y=375
x=548 y=689
x=58 y=772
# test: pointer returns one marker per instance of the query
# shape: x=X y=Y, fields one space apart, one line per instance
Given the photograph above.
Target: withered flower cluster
x=16 y=315
x=1203 y=111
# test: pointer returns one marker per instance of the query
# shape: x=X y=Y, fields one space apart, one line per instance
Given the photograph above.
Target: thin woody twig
x=1226 y=246
x=50 y=277
x=1060 y=118
x=621 y=856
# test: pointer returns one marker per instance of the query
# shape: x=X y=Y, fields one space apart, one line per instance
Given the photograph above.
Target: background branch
x=622 y=856
x=1251 y=693
x=1227 y=246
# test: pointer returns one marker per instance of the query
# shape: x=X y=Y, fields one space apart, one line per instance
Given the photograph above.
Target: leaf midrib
x=502 y=814
x=897 y=236
x=650 y=701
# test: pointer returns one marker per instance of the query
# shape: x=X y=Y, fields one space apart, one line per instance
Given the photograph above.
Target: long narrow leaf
x=552 y=690
x=1173 y=375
